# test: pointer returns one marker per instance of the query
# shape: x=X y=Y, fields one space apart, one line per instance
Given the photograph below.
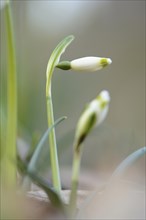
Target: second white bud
x=93 y=115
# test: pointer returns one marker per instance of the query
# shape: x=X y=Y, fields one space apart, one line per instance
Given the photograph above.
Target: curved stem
x=53 y=61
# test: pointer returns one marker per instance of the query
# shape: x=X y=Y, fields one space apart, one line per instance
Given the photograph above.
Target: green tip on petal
x=105 y=61
x=64 y=65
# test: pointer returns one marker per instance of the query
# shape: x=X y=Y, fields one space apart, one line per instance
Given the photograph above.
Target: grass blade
x=52 y=194
x=9 y=170
x=32 y=164
x=126 y=163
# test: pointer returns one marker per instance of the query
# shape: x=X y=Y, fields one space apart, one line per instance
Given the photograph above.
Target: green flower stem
x=53 y=147
x=74 y=186
x=53 y=61
x=10 y=151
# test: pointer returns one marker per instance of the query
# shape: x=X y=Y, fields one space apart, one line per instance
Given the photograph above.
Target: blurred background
x=114 y=29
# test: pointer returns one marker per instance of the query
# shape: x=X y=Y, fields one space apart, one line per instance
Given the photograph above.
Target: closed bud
x=93 y=115
x=85 y=64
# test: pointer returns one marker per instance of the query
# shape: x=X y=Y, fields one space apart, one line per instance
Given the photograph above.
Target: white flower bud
x=85 y=64
x=93 y=115
x=90 y=63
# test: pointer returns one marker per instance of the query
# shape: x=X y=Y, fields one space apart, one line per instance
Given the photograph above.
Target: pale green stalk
x=74 y=182
x=53 y=61
x=53 y=146
x=9 y=169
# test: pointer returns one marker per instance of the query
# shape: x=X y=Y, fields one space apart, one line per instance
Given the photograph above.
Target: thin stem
x=10 y=151
x=53 y=61
x=74 y=186
x=53 y=150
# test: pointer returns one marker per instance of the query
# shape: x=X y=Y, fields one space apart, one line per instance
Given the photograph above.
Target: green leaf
x=9 y=170
x=126 y=163
x=39 y=147
x=52 y=194
x=35 y=157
